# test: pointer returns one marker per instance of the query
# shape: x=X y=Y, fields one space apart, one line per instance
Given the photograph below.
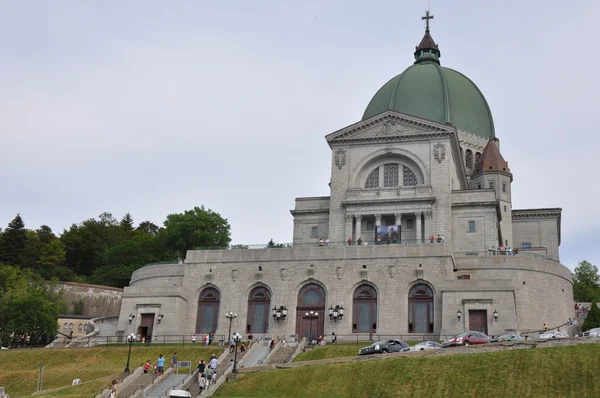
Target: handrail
x=287 y=245
x=166 y=393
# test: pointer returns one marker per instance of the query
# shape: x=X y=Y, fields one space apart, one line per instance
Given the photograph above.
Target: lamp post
x=130 y=340
x=279 y=313
x=231 y=316
x=336 y=313
x=311 y=315
x=131 y=316
x=236 y=338
x=495 y=315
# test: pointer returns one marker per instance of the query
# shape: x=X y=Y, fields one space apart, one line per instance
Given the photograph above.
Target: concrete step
x=283 y=355
x=164 y=385
x=141 y=381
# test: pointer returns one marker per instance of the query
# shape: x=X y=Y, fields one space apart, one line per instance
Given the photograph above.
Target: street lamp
x=160 y=317
x=130 y=340
x=311 y=315
x=237 y=338
x=458 y=314
x=495 y=315
x=336 y=313
x=231 y=316
x=131 y=316
x=279 y=313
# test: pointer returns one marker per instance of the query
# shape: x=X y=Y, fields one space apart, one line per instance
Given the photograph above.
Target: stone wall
x=97 y=300
x=496 y=283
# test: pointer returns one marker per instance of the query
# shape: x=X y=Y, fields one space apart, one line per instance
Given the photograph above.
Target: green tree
x=592 y=320
x=14 y=239
x=239 y=246
x=52 y=256
x=32 y=251
x=194 y=228
x=45 y=234
x=78 y=307
x=586 y=282
x=127 y=222
x=27 y=305
x=272 y=245
x=148 y=227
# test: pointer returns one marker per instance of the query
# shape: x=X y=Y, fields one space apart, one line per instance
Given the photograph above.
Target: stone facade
x=97 y=300
x=430 y=206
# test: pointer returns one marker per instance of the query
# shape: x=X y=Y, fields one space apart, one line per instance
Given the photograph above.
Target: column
x=428 y=225
x=349 y=220
x=358 y=227
x=377 y=219
x=419 y=237
x=399 y=222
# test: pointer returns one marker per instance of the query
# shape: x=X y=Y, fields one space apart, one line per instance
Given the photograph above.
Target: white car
x=426 y=345
x=592 y=333
x=552 y=334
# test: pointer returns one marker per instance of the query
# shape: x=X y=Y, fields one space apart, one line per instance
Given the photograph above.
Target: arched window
x=364 y=309
x=70 y=327
x=80 y=327
x=310 y=298
x=469 y=159
x=259 y=303
x=66 y=327
x=420 y=309
x=409 y=178
x=373 y=179
x=390 y=175
x=208 y=311
x=477 y=156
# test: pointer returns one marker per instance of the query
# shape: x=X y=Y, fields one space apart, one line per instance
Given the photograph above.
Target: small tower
x=427 y=50
x=492 y=172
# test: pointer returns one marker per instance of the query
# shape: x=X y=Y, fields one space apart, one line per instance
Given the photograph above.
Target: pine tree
x=14 y=239
x=127 y=222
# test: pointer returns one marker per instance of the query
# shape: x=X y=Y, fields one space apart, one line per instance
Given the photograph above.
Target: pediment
x=389 y=126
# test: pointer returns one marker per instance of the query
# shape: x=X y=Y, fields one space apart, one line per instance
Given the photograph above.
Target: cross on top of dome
x=427 y=17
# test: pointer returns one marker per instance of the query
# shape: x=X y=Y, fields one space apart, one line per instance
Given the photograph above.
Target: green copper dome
x=436 y=93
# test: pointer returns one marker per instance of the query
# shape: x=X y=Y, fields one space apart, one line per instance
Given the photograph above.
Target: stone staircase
x=141 y=381
x=164 y=386
x=283 y=355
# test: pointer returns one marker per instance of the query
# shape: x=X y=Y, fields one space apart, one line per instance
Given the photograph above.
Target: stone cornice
x=345 y=135
x=309 y=211
x=347 y=203
x=475 y=204
x=536 y=213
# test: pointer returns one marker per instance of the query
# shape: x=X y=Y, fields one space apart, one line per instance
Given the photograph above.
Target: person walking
x=333 y=338
x=201 y=381
x=174 y=361
x=209 y=376
x=160 y=362
x=147 y=366
x=194 y=338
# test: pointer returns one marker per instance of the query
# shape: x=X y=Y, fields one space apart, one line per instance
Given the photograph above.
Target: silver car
x=552 y=334
x=426 y=345
x=592 y=333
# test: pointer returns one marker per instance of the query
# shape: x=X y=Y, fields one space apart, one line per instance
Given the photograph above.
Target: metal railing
x=498 y=253
x=365 y=338
x=324 y=243
x=182 y=340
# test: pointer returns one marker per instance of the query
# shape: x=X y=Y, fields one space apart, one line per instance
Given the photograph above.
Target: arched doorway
x=364 y=309
x=259 y=302
x=310 y=298
x=208 y=311
x=420 y=309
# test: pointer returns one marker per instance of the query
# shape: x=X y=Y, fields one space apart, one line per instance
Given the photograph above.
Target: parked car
x=467 y=338
x=592 y=333
x=383 y=347
x=551 y=334
x=507 y=337
x=426 y=345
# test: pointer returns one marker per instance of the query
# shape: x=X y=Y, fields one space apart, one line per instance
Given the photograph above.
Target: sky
x=154 y=107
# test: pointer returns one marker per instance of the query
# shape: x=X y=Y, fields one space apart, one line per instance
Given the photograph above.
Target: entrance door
x=311 y=298
x=311 y=329
x=478 y=321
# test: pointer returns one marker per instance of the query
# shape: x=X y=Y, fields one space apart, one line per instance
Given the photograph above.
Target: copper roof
x=491 y=159
x=427 y=43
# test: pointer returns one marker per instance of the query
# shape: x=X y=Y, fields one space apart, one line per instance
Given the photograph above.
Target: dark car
x=383 y=347
x=467 y=338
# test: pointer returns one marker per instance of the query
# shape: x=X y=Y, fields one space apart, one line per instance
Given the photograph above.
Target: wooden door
x=478 y=321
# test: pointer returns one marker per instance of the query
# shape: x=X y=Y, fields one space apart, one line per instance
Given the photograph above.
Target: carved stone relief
x=340 y=158
x=439 y=152
x=234 y=274
x=283 y=273
x=392 y=270
x=339 y=272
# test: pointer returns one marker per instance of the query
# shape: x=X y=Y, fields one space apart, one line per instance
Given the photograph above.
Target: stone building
x=413 y=238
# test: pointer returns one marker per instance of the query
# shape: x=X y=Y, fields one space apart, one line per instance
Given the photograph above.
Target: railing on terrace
x=494 y=253
x=155 y=341
x=365 y=337
x=403 y=242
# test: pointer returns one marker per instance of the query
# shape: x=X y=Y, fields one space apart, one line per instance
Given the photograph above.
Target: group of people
x=207 y=372
x=504 y=251
x=241 y=346
x=580 y=310
x=439 y=238
x=207 y=339
x=159 y=368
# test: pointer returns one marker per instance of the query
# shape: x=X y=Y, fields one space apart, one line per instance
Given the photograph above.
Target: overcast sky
x=153 y=107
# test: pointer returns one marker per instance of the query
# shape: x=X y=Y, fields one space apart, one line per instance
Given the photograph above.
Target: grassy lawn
x=544 y=372
x=19 y=370
x=335 y=351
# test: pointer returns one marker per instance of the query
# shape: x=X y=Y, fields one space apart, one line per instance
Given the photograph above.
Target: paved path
x=473 y=349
